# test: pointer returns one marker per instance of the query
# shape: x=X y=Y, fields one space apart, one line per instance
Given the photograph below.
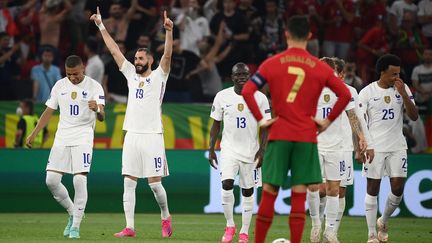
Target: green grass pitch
x=48 y=227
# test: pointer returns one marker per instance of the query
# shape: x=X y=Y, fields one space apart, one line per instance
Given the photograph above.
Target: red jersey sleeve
x=343 y=94
x=256 y=82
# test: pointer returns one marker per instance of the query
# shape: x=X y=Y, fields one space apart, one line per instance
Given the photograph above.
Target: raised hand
x=97 y=18
x=400 y=87
x=168 y=24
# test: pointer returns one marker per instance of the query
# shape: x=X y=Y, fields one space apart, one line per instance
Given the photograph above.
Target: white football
x=281 y=240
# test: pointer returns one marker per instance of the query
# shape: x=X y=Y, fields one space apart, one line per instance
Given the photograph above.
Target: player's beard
x=144 y=68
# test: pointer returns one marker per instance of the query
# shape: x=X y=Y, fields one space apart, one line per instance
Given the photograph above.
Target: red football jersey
x=295 y=79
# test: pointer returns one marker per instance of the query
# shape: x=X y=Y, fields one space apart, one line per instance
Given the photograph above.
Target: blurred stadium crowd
x=210 y=36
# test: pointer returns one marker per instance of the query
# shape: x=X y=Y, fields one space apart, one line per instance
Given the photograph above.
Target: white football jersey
x=240 y=129
x=144 y=112
x=332 y=139
x=77 y=121
x=384 y=110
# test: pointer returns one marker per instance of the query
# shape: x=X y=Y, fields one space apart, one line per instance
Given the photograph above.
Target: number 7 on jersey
x=300 y=73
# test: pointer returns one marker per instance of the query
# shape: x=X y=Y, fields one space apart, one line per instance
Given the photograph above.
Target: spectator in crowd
x=114 y=82
x=118 y=22
x=369 y=13
x=338 y=18
x=422 y=81
x=193 y=26
x=44 y=76
x=144 y=17
x=237 y=32
x=398 y=9
x=211 y=54
x=51 y=16
x=312 y=9
x=9 y=67
x=210 y=9
x=95 y=68
x=179 y=89
x=415 y=135
x=410 y=44
x=351 y=77
x=76 y=22
x=26 y=124
x=425 y=18
x=268 y=32
x=246 y=8
x=371 y=46
x=7 y=19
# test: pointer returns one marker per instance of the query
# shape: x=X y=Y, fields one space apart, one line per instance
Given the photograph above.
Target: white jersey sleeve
x=264 y=105
x=216 y=110
x=128 y=70
x=52 y=101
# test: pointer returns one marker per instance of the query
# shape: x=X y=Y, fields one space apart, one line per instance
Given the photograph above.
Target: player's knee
x=313 y=187
x=247 y=192
x=397 y=190
x=52 y=181
x=228 y=184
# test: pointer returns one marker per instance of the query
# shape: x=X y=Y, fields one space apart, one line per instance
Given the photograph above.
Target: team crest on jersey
x=387 y=99
x=326 y=98
x=240 y=107
x=141 y=84
x=147 y=81
x=73 y=95
x=84 y=94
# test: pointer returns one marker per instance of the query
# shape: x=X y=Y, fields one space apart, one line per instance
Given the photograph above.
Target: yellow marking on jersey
x=300 y=59
x=300 y=73
x=387 y=99
x=327 y=98
x=240 y=107
x=73 y=95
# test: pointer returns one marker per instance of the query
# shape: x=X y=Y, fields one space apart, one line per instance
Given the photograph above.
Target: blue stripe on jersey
x=101 y=97
x=411 y=97
x=258 y=80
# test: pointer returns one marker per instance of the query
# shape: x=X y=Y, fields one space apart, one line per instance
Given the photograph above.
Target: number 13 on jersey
x=300 y=73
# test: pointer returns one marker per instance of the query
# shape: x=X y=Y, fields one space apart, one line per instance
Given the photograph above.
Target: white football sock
x=129 y=201
x=247 y=206
x=322 y=205
x=391 y=204
x=228 y=205
x=340 y=213
x=371 y=213
x=331 y=211
x=80 y=199
x=313 y=201
x=161 y=198
x=58 y=190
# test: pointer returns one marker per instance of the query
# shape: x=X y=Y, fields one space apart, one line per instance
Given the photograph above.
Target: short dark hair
x=385 y=61
x=330 y=61
x=28 y=103
x=92 y=44
x=339 y=64
x=238 y=66
x=298 y=27
x=146 y=50
x=73 y=61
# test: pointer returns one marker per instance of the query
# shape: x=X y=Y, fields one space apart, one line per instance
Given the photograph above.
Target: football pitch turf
x=98 y=227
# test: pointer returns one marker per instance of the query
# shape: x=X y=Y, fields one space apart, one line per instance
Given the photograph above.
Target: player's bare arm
x=165 y=62
x=109 y=42
x=263 y=143
x=214 y=133
x=357 y=130
x=43 y=121
x=98 y=108
x=410 y=108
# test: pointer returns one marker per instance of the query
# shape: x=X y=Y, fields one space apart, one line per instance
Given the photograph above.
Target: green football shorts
x=300 y=158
